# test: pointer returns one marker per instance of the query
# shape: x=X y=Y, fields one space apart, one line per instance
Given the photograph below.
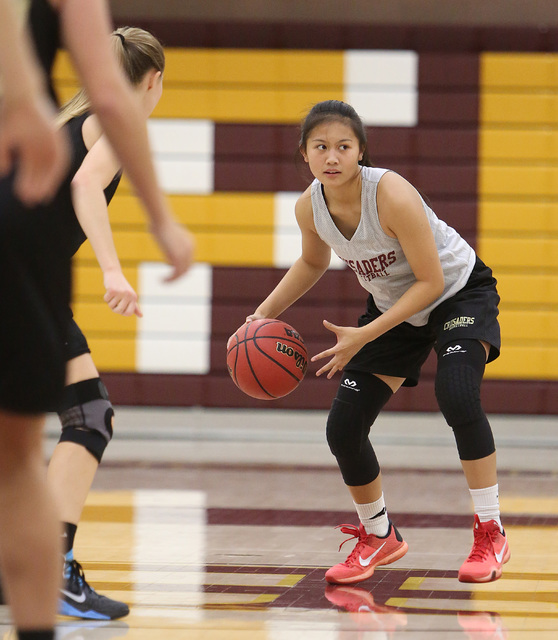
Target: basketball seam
x=250 y=363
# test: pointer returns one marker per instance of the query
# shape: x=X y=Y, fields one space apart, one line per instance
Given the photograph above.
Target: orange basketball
x=266 y=358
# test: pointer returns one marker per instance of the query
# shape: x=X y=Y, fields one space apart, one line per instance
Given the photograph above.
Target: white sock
x=486 y=504
x=373 y=516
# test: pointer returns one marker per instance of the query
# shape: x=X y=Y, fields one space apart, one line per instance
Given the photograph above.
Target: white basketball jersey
x=378 y=260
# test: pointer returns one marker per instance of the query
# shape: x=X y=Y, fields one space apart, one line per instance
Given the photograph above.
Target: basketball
x=266 y=358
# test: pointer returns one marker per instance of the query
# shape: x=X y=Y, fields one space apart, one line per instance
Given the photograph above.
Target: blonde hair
x=138 y=52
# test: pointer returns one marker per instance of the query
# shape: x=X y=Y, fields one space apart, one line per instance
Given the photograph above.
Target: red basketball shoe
x=370 y=551
x=490 y=551
x=360 y=603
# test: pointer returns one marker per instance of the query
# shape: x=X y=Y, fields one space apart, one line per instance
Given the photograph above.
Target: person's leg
x=369 y=498
x=358 y=402
x=86 y=417
x=480 y=473
x=458 y=381
x=29 y=528
x=72 y=467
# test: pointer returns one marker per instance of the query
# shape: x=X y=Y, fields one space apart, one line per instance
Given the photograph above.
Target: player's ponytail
x=138 y=52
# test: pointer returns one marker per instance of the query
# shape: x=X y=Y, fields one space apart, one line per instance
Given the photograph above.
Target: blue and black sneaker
x=79 y=600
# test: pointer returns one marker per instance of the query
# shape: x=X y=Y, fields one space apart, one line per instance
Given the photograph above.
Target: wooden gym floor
x=219 y=525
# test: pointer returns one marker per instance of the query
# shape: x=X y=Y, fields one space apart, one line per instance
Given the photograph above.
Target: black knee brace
x=360 y=398
x=458 y=381
x=86 y=415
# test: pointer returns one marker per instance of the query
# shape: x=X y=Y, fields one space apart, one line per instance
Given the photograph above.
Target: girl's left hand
x=349 y=342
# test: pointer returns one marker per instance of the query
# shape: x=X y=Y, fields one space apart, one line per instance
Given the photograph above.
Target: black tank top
x=74 y=236
x=45 y=33
x=43 y=24
x=59 y=214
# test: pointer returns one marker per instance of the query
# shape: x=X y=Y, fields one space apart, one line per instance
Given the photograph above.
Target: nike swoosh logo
x=500 y=555
x=367 y=561
x=79 y=599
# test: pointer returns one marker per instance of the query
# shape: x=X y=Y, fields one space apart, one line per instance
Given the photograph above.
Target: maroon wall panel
x=339 y=297
x=443 y=39
x=218 y=391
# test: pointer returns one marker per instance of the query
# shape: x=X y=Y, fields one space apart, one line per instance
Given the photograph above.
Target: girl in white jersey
x=427 y=289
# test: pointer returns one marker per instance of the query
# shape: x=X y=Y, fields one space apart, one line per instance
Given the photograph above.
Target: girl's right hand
x=253 y=316
x=120 y=295
x=178 y=245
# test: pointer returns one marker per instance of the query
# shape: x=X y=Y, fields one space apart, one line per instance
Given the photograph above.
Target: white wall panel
x=383 y=86
x=183 y=152
x=175 y=331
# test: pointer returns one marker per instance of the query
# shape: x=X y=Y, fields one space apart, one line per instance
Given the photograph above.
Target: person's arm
x=95 y=174
x=305 y=272
x=86 y=31
x=402 y=216
x=29 y=141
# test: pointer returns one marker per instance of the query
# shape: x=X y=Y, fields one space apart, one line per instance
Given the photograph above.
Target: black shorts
x=76 y=343
x=471 y=314
x=35 y=294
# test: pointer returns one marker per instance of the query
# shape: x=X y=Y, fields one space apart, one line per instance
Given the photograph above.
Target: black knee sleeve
x=458 y=381
x=360 y=398
x=86 y=415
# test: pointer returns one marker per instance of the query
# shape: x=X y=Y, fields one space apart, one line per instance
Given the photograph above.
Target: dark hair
x=330 y=110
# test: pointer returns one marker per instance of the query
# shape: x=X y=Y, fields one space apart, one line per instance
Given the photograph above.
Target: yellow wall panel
x=526 y=180
x=253 y=66
x=251 y=104
x=113 y=354
x=235 y=249
x=87 y=280
x=518 y=208
x=527 y=70
x=520 y=108
x=135 y=245
x=521 y=146
x=519 y=253
x=219 y=210
x=527 y=289
x=96 y=316
x=63 y=69
x=226 y=209
x=222 y=104
x=525 y=362
x=527 y=216
x=529 y=325
x=238 y=66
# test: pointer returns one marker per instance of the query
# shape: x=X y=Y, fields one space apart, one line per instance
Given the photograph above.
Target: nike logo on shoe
x=79 y=599
x=364 y=562
x=500 y=555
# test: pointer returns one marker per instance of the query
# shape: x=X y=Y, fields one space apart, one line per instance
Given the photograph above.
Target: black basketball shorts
x=76 y=343
x=34 y=294
x=471 y=314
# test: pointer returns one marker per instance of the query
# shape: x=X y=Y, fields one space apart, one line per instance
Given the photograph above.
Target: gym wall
x=466 y=112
